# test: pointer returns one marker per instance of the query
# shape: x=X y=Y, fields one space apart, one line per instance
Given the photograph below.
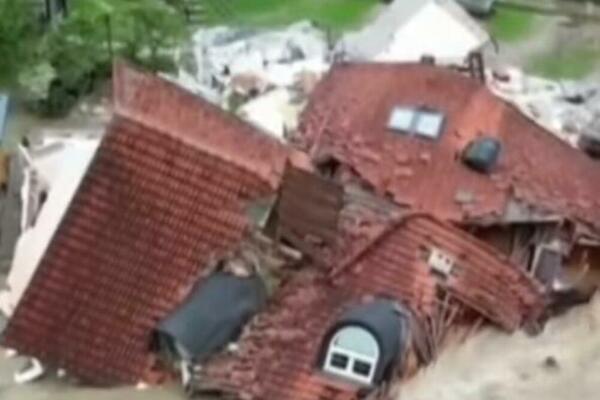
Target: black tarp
x=211 y=317
x=388 y=322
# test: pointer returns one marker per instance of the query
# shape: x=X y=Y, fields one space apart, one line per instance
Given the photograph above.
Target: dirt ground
x=561 y=363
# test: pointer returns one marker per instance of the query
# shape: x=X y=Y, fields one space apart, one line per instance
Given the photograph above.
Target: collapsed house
x=411 y=211
x=437 y=141
x=164 y=194
x=349 y=328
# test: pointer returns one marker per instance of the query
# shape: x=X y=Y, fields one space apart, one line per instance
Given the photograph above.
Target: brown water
x=562 y=363
x=54 y=389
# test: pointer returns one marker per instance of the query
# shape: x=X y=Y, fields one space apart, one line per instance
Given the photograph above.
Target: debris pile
x=570 y=110
x=230 y=66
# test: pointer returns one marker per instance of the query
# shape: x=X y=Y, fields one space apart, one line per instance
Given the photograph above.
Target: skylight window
x=416 y=121
x=402 y=119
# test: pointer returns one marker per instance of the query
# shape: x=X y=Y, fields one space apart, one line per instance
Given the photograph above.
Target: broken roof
x=278 y=353
x=348 y=119
x=164 y=195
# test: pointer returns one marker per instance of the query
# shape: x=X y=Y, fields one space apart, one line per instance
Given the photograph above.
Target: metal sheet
x=3 y=114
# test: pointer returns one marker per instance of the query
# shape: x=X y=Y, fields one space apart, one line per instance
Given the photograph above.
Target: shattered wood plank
x=309 y=205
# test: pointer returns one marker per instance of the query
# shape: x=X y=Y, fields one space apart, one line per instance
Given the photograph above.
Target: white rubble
x=274 y=58
x=33 y=371
x=52 y=173
x=565 y=108
x=275 y=112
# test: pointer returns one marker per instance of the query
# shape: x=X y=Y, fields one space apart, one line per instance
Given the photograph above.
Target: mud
x=561 y=363
x=53 y=388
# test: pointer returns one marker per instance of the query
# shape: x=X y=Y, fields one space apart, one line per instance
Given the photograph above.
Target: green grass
x=573 y=63
x=338 y=15
x=508 y=25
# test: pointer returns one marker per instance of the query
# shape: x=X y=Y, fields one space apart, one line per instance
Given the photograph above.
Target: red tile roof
x=277 y=358
x=348 y=118
x=164 y=194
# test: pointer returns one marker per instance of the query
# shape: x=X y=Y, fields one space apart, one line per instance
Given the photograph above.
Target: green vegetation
x=338 y=15
x=18 y=37
x=508 y=25
x=572 y=63
x=54 y=62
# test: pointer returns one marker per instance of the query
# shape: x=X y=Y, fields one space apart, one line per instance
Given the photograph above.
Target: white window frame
x=414 y=127
x=348 y=371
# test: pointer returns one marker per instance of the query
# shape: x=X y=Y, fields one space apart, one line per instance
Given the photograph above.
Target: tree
x=19 y=33
x=77 y=50
x=135 y=29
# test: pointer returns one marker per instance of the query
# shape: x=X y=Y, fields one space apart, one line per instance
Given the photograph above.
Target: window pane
x=339 y=361
x=401 y=119
x=429 y=124
x=357 y=340
x=361 y=368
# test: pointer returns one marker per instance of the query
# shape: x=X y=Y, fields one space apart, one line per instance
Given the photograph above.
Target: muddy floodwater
x=562 y=363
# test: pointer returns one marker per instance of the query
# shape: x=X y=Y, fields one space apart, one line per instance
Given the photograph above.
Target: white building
x=411 y=29
x=52 y=174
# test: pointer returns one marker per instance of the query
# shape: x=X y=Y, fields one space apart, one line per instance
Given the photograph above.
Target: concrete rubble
x=567 y=109
x=353 y=222
x=231 y=66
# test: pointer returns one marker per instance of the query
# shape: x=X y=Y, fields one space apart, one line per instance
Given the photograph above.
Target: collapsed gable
x=158 y=203
x=278 y=356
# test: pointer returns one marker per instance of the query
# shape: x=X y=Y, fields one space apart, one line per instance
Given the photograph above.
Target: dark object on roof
x=540 y=169
x=589 y=140
x=482 y=154
x=309 y=206
x=212 y=316
x=384 y=319
x=165 y=195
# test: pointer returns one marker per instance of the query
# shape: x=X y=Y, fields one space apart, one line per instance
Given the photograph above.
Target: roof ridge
x=138 y=98
x=381 y=235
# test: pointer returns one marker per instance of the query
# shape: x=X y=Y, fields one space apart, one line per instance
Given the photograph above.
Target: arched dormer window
x=366 y=343
x=353 y=353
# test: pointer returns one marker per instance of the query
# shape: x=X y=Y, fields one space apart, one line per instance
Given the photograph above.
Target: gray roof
x=374 y=38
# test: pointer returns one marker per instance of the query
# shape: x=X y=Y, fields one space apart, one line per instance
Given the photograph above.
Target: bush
x=71 y=54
